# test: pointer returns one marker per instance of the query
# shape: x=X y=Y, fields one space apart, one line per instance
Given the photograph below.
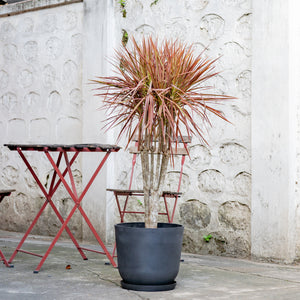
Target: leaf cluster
x=158 y=89
x=207 y=237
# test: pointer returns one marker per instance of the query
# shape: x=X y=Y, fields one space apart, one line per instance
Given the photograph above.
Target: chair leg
x=114 y=251
x=2 y=258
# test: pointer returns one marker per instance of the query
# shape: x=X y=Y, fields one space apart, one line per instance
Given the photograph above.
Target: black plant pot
x=148 y=259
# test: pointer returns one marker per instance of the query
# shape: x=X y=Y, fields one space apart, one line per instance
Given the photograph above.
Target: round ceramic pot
x=148 y=258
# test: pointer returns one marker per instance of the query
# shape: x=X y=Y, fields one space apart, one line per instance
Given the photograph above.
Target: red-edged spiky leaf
x=157 y=91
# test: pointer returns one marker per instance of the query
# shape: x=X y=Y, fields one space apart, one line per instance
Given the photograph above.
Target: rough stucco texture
x=40 y=84
x=40 y=100
x=216 y=183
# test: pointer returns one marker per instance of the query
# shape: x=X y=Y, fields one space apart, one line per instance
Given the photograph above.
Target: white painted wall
x=217 y=179
x=51 y=48
x=40 y=102
x=222 y=182
x=275 y=98
x=98 y=42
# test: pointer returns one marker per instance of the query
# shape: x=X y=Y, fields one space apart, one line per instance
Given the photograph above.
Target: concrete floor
x=200 y=277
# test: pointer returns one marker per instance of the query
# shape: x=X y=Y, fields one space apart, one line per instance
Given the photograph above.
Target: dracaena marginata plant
x=155 y=94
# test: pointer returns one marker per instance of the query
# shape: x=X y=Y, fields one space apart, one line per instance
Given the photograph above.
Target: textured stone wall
x=40 y=102
x=216 y=183
x=43 y=80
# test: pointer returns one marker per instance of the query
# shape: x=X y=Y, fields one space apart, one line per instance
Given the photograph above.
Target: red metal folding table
x=58 y=177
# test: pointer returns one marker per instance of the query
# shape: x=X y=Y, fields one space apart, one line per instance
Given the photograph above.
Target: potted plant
x=155 y=95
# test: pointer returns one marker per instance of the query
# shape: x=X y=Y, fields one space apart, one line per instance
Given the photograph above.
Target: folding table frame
x=58 y=177
x=4 y=193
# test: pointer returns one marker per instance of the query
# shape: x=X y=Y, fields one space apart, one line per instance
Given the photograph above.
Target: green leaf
x=207 y=237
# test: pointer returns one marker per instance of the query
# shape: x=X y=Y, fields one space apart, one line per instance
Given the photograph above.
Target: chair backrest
x=180 y=149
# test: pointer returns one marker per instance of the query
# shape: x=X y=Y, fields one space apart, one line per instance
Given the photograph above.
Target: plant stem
x=154 y=174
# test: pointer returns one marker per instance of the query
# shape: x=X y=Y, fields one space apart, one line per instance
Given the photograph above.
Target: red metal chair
x=180 y=150
x=4 y=193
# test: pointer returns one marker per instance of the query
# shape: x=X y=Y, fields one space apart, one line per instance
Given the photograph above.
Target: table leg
x=38 y=214
x=52 y=190
x=48 y=197
x=2 y=258
x=55 y=239
x=68 y=231
x=27 y=232
x=80 y=199
x=77 y=201
x=97 y=236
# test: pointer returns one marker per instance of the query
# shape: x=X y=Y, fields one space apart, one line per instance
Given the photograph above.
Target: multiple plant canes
x=155 y=95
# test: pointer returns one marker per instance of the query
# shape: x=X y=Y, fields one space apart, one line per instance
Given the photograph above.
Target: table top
x=63 y=147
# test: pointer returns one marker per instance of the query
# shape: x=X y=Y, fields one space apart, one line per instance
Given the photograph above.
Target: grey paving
x=200 y=277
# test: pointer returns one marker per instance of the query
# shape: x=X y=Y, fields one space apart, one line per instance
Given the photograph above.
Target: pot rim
x=168 y=227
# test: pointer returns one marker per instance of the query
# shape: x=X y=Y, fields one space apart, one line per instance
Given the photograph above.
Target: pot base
x=148 y=288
